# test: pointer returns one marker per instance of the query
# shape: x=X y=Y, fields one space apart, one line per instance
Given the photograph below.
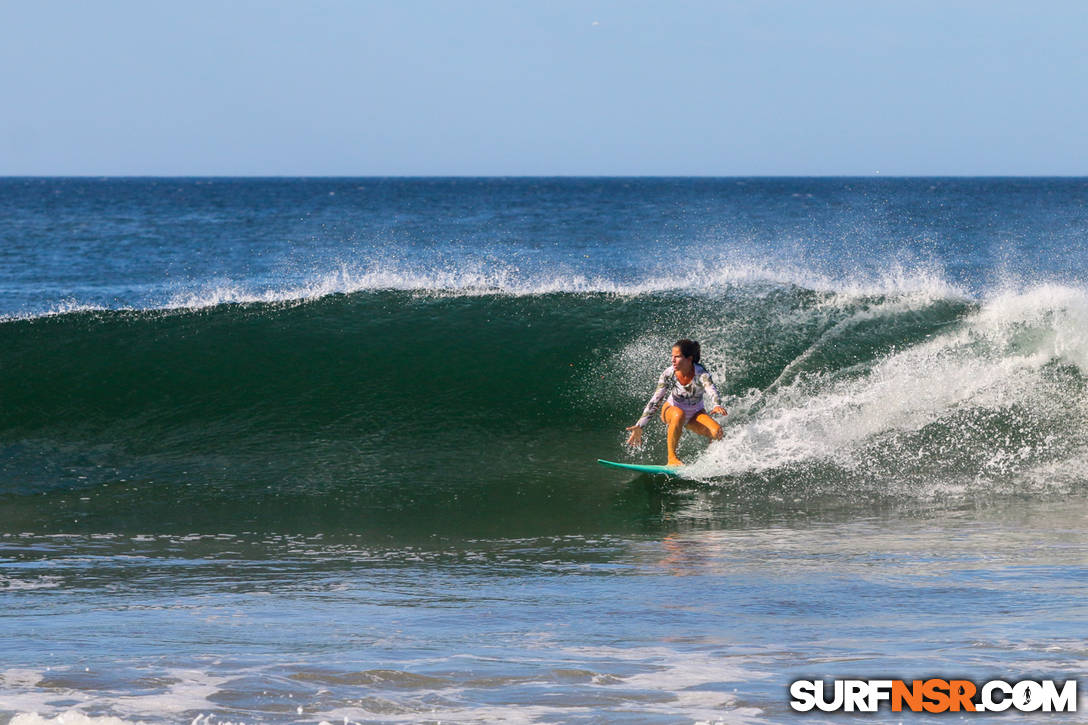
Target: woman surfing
x=684 y=382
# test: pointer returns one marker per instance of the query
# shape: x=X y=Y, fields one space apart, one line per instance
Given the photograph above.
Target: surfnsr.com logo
x=933 y=695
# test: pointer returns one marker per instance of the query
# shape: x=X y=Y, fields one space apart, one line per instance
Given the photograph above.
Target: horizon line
x=544 y=176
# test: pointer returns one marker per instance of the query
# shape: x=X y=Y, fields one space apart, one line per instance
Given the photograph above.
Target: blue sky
x=413 y=87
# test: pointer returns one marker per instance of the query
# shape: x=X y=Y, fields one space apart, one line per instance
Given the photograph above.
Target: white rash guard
x=688 y=398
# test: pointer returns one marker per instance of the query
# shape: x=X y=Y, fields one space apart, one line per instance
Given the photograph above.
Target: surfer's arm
x=711 y=392
x=655 y=400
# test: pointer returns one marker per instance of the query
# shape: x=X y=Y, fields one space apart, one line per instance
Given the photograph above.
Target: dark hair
x=688 y=348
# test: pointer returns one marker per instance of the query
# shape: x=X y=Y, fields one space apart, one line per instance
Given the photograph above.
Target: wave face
x=453 y=355
x=354 y=410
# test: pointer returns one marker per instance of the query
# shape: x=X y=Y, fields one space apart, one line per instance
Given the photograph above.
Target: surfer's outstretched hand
x=635 y=439
x=719 y=410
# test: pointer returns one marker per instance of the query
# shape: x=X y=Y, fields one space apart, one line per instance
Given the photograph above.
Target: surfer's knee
x=713 y=430
x=674 y=416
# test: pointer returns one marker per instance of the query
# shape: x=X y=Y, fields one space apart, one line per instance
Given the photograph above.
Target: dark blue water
x=305 y=450
x=147 y=242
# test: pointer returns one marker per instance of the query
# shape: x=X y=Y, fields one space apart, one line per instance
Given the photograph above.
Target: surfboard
x=660 y=470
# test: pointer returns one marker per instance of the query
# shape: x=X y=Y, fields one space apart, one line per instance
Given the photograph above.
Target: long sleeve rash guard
x=689 y=397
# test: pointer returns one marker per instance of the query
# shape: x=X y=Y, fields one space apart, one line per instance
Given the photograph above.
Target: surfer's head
x=685 y=349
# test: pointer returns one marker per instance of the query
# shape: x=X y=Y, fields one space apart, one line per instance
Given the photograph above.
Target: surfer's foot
x=675 y=462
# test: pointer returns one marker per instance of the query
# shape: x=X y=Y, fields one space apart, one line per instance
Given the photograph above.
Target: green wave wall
x=383 y=409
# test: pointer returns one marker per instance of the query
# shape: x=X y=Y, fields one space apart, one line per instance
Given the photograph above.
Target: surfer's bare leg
x=674 y=418
x=696 y=427
x=706 y=426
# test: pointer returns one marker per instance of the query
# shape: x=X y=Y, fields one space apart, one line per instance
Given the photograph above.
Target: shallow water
x=704 y=622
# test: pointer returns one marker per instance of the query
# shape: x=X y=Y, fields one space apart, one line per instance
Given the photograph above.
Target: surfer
x=685 y=382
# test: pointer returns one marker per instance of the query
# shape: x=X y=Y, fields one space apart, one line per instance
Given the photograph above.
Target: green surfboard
x=660 y=470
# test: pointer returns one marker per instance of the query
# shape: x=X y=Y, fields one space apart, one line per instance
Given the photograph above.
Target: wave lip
x=510 y=280
x=59 y=309
x=499 y=278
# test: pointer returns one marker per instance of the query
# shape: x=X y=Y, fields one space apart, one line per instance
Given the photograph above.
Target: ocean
x=324 y=450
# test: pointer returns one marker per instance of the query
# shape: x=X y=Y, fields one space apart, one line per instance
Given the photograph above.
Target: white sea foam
x=997 y=359
x=689 y=685
x=188 y=690
x=468 y=278
x=478 y=277
x=61 y=307
x=29 y=583
x=69 y=717
x=686 y=685
x=20 y=677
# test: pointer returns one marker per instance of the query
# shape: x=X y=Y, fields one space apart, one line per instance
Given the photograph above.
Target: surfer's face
x=678 y=359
